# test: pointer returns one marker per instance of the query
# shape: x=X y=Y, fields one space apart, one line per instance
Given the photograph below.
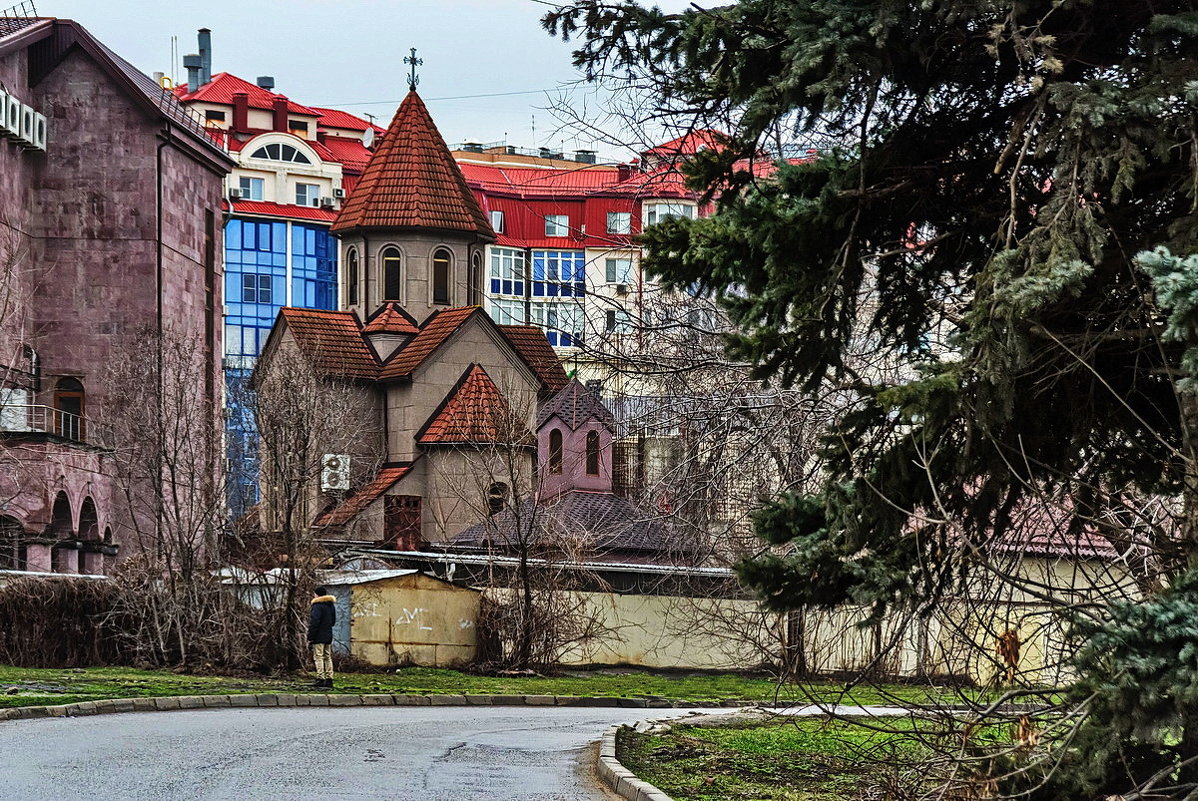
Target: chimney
x=279 y=106
x=205 y=56
x=266 y=82
x=241 y=112
x=193 y=65
x=623 y=172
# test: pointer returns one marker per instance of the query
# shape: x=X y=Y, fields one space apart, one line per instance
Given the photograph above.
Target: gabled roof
x=224 y=85
x=473 y=412
x=333 y=340
x=412 y=181
x=433 y=333
x=390 y=319
x=367 y=494
x=532 y=346
x=574 y=406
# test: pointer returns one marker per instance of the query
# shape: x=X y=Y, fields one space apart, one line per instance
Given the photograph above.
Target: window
x=508 y=268
x=441 y=277
x=475 y=285
x=68 y=409
x=559 y=273
x=298 y=127
x=212 y=115
x=280 y=152
x=351 y=276
x=557 y=225
x=592 y=453
x=619 y=222
x=659 y=212
x=507 y=312
x=555 y=451
x=251 y=188
x=617 y=321
x=256 y=288
x=619 y=271
x=562 y=322
x=307 y=195
x=497 y=221
x=392 y=274
x=497 y=497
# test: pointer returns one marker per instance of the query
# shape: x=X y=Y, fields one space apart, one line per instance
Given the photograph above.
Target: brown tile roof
x=366 y=495
x=333 y=340
x=574 y=406
x=412 y=181
x=474 y=411
x=532 y=346
x=390 y=319
x=436 y=329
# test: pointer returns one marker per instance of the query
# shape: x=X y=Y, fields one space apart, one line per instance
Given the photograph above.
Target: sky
x=348 y=54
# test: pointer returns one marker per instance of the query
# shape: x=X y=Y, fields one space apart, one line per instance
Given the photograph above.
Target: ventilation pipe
x=205 y=56
x=192 y=64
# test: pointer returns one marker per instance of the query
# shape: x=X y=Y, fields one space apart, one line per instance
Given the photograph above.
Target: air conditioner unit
x=339 y=193
x=235 y=193
x=334 y=473
x=326 y=203
x=11 y=124
x=621 y=289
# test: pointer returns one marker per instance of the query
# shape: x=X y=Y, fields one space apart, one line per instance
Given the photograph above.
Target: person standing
x=320 y=635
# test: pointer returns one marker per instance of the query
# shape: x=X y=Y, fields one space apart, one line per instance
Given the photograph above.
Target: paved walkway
x=400 y=753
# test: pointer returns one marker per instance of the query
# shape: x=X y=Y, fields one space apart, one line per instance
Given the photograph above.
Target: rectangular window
x=617 y=321
x=659 y=212
x=307 y=195
x=619 y=222
x=619 y=271
x=256 y=288
x=508 y=267
x=212 y=115
x=507 y=312
x=497 y=221
x=251 y=188
x=557 y=225
x=562 y=322
x=298 y=127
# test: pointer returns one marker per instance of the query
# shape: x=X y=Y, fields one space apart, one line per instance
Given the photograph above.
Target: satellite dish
x=368 y=137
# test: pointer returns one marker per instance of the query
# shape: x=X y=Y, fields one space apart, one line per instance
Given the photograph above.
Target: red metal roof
x=474 y=411
x=688 y=144
x=222 y=87
x=333 y=340
x=335 y=118
x=412 y=181
x=260 y=208
x=351 y=153
x=384 y=480
x=390 y=319
x=433 y=333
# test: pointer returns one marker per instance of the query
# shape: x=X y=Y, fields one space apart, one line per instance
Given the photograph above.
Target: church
x=477 y=421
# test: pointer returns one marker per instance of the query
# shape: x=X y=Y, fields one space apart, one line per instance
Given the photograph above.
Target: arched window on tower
x=351 y=277
x=68 y=409
x=441 y=277
x=476 y=281
x=555 y=451
x=592 y=453
x=392 y=274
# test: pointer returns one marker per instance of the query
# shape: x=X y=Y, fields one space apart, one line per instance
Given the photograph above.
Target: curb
x=270 y=700
x=620 y=779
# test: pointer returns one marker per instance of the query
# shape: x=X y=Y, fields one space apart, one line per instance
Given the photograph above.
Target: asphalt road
x=380 y=753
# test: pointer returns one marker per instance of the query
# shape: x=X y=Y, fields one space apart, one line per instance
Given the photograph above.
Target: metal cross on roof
x=413 y=79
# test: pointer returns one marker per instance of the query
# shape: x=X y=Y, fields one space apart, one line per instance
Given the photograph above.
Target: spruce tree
x=1018 y=178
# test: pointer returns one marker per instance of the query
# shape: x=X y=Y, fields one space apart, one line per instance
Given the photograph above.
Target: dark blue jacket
x=321 y=619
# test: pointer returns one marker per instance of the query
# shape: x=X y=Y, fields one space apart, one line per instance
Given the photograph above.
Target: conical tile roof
x=412 y=181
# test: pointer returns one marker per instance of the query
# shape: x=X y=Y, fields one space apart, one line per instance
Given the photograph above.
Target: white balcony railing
x=17 y=418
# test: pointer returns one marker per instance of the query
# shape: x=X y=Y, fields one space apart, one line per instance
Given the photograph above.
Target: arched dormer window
x=351 y=276
x=68 y=409
x=555 y=451
x=277 y=151
x=441 y=261
x=474 y=289
x=392 y=263
x=592 y=453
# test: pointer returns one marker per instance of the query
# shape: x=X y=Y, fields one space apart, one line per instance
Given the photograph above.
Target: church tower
x=412 y=232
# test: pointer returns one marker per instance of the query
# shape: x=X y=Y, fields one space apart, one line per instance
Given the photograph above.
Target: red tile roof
x=534 y=348
x=366 y=495
x=335 y=118
x=259 y=208
x=223 y=86
x=333 y=340
x=412 y=181
x=391 y=319
x=473 y=412
x=433 y=333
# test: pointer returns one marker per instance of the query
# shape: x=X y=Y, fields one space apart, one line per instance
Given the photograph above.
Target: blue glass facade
x=269 y=264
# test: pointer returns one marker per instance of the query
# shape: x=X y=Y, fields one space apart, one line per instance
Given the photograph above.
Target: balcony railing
x=16 y=418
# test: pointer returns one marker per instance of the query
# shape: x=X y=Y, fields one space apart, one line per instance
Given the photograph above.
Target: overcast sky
x=349 y=54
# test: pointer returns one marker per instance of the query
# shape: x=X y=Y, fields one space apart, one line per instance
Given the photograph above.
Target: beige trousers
x=322 y=654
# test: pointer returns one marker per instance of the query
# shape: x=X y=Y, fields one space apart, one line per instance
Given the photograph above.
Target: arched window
x=497 y=497
x=441 y=277
x=555 y=451
x=392 y=274
x=592 y=453
x=68 y=409
x=351 y=277
x=474 y=290
x=280 y=152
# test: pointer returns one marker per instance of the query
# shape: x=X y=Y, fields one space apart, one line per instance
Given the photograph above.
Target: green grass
x=37 y=686
x=798 y=759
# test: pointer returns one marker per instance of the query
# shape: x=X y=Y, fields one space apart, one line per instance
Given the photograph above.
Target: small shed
x=388 y=617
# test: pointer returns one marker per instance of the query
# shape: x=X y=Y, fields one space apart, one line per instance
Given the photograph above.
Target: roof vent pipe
x=266 y=82
x=205 y=56
x=192 y=64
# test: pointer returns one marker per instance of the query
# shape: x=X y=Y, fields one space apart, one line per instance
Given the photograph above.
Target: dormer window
x=280 y=152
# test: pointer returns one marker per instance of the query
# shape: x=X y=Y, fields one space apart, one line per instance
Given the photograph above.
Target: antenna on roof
x=413 y=78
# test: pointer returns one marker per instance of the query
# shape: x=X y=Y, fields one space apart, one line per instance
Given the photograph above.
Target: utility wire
x=329 y=104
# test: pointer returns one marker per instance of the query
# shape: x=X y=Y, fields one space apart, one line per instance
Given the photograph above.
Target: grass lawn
x=797 y=759
x=35 y=686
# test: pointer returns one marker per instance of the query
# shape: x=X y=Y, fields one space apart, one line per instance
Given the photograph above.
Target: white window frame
x=557 y=225
x=314 y=198
x=662 y=210
x=252 y=188
x=618 y=270
x=497 y=221
x=622 y=220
